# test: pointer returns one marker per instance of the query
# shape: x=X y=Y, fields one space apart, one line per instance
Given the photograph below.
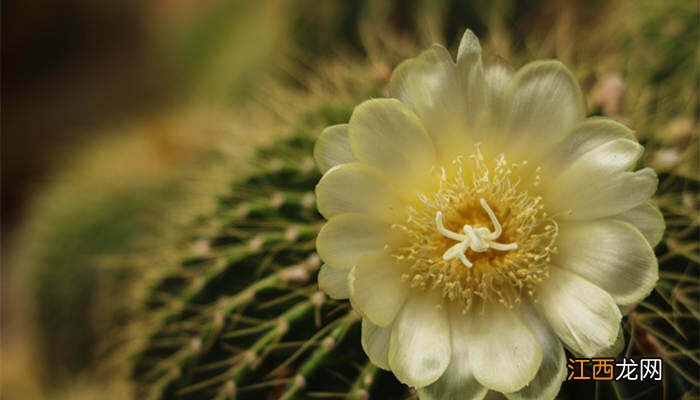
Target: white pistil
x=477 y=239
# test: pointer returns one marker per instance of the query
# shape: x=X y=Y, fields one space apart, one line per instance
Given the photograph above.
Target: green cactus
x=242 y=315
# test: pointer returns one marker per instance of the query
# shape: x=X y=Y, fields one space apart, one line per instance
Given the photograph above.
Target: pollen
x=482 y=236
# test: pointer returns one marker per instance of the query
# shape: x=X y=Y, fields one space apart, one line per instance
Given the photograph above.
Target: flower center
x=479 y=239
x=503 y=236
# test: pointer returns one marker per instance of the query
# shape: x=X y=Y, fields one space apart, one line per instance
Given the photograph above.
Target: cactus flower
x=480 y=224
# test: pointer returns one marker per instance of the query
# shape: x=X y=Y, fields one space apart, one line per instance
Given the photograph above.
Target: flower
x=480 y=225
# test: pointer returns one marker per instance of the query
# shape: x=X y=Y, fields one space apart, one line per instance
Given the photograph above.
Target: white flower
x=480 y=225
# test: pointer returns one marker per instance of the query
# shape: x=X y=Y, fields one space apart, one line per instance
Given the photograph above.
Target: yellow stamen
x=460 y=210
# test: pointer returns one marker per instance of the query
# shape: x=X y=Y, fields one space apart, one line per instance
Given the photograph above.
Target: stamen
x=507 y=271
x=477 y=239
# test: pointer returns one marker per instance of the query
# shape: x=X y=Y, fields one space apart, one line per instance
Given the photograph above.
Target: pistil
x=477 y=239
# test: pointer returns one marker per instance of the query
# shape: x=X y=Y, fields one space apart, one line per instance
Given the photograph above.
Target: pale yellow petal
x=344 y=238
x=599 y=183
x=504 y=355
x=617 y=348
x=469 y=51
x=430 y=85
x=377 y=290
x=552 y=372
x=334 y=282
x=497 y=77
x=387 y=134
x=648 y=219
x=612 y=254
x=458 y=382
x=375 y=342
x=333 y=147
x=584 y=316
x=473 y=88
x=420 y=340
x=585 y=137
x=357 y=188
x=546 y=103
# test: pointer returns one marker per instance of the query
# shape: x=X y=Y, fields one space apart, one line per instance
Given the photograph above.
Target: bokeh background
x=121 y=121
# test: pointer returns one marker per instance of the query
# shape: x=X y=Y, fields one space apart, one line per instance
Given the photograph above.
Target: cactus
x=241 y=315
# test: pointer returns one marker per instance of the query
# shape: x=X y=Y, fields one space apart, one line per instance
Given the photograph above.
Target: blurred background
x=122 y=119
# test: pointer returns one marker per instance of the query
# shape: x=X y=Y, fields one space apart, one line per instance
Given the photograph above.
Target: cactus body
x=241 y=315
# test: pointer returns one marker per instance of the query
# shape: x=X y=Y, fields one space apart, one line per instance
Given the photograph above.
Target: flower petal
x=586 y=136
x=470 y=72
x=357 y=188
x=333 y=147
x=430 y=86
x=584 y=316
x=503 y=353
x=376 y=290
x=497 y=77
x=469 y=52
x=375 y=342
x=552 y=372
x=334 y=282
x=598 y=184
x=648 y=219
x=617 y=348
x=420 y=340
x=458 y=382
x=344 y=238
x=611 y=254
x=387 y=134
x=546 y=102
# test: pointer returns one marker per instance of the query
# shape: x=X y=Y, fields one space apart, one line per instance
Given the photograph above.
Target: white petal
x=344 y=238
x=586 y=136
x=387 y=134
x=552 y=372
x=546 y=104
x=611 y=254
x=420 y=340
x=497 y=78
x=503 y=353
x=375 y=342
x=334 y=282
x=357 y=188
x=648 y=219
x=598 y=184
x=376 y=290
x=617 y=348
x=584 y=316
x=430 y=86
x=458 y=382
x=426 y=83
x=469 y=51
x=470 y=72
x=333 y=147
